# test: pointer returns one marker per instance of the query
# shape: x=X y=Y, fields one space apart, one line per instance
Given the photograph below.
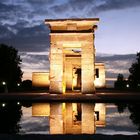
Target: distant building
x=41 y=79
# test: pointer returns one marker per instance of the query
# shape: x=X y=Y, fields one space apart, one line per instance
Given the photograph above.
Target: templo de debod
x=73 y=70
x=72 y=57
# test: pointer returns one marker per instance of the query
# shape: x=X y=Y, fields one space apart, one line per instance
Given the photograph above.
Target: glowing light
x=72 y=44
x=98 y=83
x=74 y=108
x=18 y=103
x=3 y=104
x=89 y=94
x=127 y=85
x=4 y=83
x=18 y=84
x=64 y=88
x=64 y=106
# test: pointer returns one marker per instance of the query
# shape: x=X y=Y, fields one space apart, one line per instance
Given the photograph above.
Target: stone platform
x=99 y=97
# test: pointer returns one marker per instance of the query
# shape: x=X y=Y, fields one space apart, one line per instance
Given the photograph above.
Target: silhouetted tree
x=26 y=85
x=10 y=70
x=120 y=83
x=134 y=77
x=10 y=115
x=134 y=112
x=121 y=107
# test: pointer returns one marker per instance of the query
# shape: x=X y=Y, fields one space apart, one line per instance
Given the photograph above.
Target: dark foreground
x=102 y=96
x=68 y=137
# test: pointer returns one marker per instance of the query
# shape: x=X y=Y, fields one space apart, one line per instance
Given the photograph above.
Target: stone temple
x=72 y=58
x=73 y=70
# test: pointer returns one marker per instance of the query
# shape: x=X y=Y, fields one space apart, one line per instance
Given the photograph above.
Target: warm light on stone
x=65 y=37
x=40 y=79
x=71 y=124
x=100 y=113
x=40 y=109
x=100 y=78
x=88 y=120
x=56 y=118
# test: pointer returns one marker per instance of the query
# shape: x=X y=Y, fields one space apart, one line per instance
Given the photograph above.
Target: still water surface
x=116 y=123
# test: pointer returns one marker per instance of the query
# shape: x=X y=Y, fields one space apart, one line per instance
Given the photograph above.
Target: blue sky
x=22 y=26
x=119 y=31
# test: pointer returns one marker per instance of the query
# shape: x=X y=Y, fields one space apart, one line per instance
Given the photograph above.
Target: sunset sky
x=22 y=26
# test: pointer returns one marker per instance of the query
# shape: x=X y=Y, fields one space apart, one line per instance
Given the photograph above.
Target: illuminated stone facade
x=100 y=75
x=72 y=68
x=72 y=57
x=72 y=38
x=40 y=79
x=72 y=76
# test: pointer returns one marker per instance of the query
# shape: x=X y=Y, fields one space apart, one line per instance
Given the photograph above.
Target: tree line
x=133 y=81
x=133 y=84
x=10 y=71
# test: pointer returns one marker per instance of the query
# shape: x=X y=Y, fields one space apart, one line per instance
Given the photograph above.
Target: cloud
x=34 y=10
x=4 y=7
x=117 y=123
x=31 y=124
x=35 y=62
x=115 y=64
x=5 y=32
x=83 y=8
x=21 y=25
x=27 y=39
x=11 y=13
x=114 y=57
x=117 y=4
x=40 y=2
x=61 y=8
x=72 y=8
x=21 y=22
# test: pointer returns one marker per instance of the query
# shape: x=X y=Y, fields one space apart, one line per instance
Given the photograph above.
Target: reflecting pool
x=20 y=118
x=116 y=123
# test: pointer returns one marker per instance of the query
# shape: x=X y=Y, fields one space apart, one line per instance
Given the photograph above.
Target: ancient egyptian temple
x=73 y=70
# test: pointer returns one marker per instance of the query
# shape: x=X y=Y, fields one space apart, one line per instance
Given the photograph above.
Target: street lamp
x=3 y=83
x=127 y=85
x=3 y=104
x=18 y=84
x=5 y=86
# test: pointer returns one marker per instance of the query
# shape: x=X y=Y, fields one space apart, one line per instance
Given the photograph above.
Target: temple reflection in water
x=71 y=118
x=72 y=71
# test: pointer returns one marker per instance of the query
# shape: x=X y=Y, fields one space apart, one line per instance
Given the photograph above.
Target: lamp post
x=18 y=84
x=5 y=87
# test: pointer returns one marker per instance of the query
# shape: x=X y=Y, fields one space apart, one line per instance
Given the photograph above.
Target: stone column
x=88 y=66
x=56 y=67
x=88 y=119
x=69 y=119
x=56 y=118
